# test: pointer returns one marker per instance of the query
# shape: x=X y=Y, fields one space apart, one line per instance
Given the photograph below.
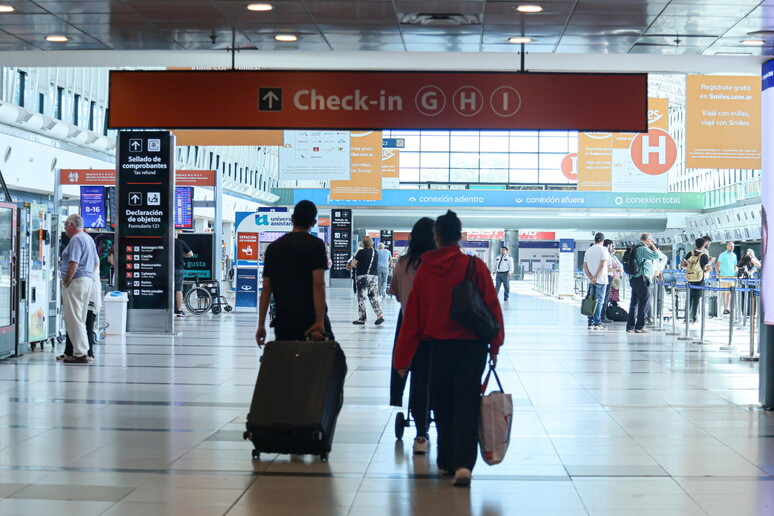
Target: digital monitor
x=93 y=207
x=184 y=207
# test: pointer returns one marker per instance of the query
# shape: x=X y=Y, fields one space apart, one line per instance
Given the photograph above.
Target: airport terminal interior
x=601 y=155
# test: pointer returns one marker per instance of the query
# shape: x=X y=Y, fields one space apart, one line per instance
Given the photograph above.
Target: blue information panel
x=93 y=206
x=184 y=207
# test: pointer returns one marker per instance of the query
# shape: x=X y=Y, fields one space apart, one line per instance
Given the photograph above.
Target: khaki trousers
x=75 y=304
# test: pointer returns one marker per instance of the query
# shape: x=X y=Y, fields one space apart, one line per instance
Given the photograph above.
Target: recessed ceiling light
x=260 y=7
x=286 y=37
x=754 y=42
x=519 y=40
x=6 y=9
x=57 y=39
x=529 y=8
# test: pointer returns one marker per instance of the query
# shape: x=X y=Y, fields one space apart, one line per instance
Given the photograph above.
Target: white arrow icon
x=271 y=97
x=135 y=198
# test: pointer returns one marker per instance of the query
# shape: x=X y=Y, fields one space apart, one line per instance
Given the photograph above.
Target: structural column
x=511 y=241
x=766 y=346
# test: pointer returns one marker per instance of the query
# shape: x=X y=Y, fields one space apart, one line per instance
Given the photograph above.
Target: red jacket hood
x=440 y=262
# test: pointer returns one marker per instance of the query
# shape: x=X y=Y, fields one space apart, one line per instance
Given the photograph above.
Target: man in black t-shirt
x=294 y=273
x=181 y=251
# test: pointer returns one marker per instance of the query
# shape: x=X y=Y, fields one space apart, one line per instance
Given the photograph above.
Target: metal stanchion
x=752 y=357
x=658 y=311
x=730 y=344
x=687 y=312
x=674 y=332
x=703 y=302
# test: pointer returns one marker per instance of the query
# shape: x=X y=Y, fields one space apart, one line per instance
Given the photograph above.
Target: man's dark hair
x=707 y=238
x=599 y=237
x=448 y=227
x=700 y=243
x=505 y=247
x=607 y=242
x=304 y=214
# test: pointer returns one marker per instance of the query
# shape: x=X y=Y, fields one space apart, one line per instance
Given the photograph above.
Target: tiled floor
x=605 y=424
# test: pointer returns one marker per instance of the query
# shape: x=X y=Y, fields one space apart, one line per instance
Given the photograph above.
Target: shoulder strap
x=470 y=273
x=373 y=252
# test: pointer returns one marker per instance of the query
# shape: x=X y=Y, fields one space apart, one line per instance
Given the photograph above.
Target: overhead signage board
x=107 y=177
x=386 y=238
x=93 y=206
x=341 y=242
x=315 y=155
x=690 y=201
x=145 y=193
x=722 y=122
x=183 y=207
x=365 y=100
x=537 y=235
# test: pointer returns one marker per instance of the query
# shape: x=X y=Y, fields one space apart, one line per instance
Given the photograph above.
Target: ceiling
x=564 y=27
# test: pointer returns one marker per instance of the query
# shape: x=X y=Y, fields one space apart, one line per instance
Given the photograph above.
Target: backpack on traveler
x=693 y=272
x=630 y=264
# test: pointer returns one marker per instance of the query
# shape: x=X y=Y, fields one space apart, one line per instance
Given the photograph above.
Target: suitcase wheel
x=256 y=455
x=247 y=435
x=400 y=425
x=324 y=456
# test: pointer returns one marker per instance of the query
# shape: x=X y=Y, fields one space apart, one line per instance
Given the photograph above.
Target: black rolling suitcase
x=297 y=398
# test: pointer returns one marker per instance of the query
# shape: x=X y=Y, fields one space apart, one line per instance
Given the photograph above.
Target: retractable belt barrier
x=748 y=288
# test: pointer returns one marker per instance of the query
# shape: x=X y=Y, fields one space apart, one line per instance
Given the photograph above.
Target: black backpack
x=615 y=313
x=630 y=264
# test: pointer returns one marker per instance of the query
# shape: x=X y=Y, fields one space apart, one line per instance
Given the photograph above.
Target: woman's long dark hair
x=422 y=240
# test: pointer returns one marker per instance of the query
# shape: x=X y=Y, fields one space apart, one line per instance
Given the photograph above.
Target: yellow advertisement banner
x=228 y=138
x=658 y=113
x=595 y=161
x=365 y=183
x=723 y=122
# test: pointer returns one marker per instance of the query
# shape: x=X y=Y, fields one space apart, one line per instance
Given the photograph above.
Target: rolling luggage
x=297 y=398
x=712 y=308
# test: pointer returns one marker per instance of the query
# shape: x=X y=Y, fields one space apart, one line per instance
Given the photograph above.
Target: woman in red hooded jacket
x=458 y=357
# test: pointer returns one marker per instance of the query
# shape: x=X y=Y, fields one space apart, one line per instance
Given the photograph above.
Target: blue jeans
x=597 y=291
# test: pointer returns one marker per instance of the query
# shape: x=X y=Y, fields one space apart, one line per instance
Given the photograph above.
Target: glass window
x=409 y=175
x=463 y=160
x=463 y=175
x=524 y=176
x=519 y=161
x=440 y=175
x=434 y=160
x=494 y=160
x=76 y=108
x=554 y=176
x=553 y=144
x=494 y=175
x=59 y=102
x=409 y=159
x=494 y=143
x=435 y=141
x=524 y=143
x=465 y=141
x=411 y=141
x=21 y=88
x=551 y=161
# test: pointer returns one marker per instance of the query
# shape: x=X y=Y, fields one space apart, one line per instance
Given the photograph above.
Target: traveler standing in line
x=747 y=268
x=503 y=271
x=294 y=273
x=697 y=266
x=79 y=260
x=658 y=274
x=613 y=268
x=182 y=251
x=458 y=356
x=640 y=282
x=595 y=265
x=367 y=282
x=726 y=269
x=707 y=243
x=421 y=240
x=384 y=265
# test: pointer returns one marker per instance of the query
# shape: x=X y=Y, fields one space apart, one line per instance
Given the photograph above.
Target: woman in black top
x=367 y=281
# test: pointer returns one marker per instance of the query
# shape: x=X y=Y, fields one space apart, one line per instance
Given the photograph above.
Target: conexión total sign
x=377 y=100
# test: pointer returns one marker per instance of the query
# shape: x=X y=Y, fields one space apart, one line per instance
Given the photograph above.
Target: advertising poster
x=566 y=282
x=390 y=169
x=641 y=161
x=767 y=196
x=365 y=182
x=386 y=238
x=201 y=264
x=723 y=122
x=93 y=206
x=247 y=289
x=595 y=161
x=315 y=155
x=247 y=247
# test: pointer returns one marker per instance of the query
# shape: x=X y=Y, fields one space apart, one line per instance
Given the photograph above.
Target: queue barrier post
x=730 y=345
x=673 y=291
x=659 y=310
x=752 y=357
x=703 y=301
x=687 y=312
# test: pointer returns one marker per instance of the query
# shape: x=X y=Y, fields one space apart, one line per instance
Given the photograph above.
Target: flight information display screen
x=184 y=207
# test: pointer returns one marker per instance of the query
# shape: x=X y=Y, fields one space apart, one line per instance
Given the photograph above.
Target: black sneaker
x=181 y=313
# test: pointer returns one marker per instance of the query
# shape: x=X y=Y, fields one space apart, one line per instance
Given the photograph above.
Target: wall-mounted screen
x=184 y=207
